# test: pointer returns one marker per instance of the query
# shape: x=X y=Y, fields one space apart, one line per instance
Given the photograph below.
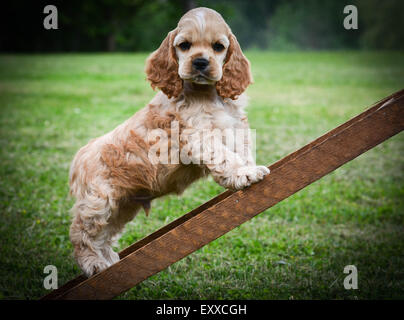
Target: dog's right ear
x=162 y=68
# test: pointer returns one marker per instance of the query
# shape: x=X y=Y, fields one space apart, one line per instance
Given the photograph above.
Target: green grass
x=53 y=104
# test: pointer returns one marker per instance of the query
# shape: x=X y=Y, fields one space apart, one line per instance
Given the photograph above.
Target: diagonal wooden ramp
x=230 y=209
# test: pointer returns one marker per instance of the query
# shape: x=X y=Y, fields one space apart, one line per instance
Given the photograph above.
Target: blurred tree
x=130 y=25
x=310 y=24
x=247 y=19
x=141 y=25
x=382 y=23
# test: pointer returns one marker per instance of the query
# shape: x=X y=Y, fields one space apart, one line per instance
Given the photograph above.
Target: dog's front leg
x=236 y=174
x=230 y=169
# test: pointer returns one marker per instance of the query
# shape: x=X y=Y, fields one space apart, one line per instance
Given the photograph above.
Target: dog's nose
x=200 y=64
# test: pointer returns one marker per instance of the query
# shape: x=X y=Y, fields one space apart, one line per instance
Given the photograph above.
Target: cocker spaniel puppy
x=202 y=74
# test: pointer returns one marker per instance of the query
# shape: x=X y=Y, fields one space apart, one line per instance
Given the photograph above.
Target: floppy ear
x=162 y=68
x=236 y=72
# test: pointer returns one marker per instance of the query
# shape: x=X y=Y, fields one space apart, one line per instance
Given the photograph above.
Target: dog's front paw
x=245 y=176
x=92 y=264
x=111 y=255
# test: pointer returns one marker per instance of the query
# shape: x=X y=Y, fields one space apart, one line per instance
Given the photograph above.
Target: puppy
x=201 y=73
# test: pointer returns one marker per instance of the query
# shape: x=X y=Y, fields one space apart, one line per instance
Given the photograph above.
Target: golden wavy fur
x=162 y=68
x=202 y=74
x=236 y=72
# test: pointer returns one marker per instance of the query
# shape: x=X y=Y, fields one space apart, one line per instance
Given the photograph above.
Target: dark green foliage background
x=140 y=25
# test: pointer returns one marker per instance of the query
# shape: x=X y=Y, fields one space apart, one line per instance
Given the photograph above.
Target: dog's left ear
x=162 y=68
x=236 y=72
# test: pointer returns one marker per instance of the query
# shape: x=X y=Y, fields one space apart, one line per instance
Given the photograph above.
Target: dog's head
x=203 y=50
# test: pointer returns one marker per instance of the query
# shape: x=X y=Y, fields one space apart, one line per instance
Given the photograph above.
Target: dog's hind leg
x=96 y=225
x=91 y=234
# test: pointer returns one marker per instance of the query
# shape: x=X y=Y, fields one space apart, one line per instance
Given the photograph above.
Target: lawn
x=51 y=105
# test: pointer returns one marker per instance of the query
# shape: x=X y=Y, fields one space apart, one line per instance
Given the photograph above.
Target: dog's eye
x=185 y=45
x=218 y=47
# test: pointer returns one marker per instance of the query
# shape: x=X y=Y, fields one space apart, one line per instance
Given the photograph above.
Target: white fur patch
x=224 y=41
x=199 y=21
x=200 y=18
x=178 y=39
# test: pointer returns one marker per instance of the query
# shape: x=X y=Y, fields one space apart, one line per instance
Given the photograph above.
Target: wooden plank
x=230 y=209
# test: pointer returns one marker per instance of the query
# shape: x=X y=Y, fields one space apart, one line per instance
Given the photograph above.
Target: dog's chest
x=212 y=115
x=224 y=119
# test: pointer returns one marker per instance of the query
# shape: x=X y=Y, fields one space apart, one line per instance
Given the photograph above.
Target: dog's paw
x=111 y=255
x=91 y=265
x=245 y=176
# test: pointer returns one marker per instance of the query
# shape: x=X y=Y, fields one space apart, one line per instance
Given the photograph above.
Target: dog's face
x=203 y=50
x=201 y=46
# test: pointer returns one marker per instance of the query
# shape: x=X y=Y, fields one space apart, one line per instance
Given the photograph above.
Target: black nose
x=200 y=64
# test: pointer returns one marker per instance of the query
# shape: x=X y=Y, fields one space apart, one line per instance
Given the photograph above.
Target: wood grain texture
x=230 y=209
